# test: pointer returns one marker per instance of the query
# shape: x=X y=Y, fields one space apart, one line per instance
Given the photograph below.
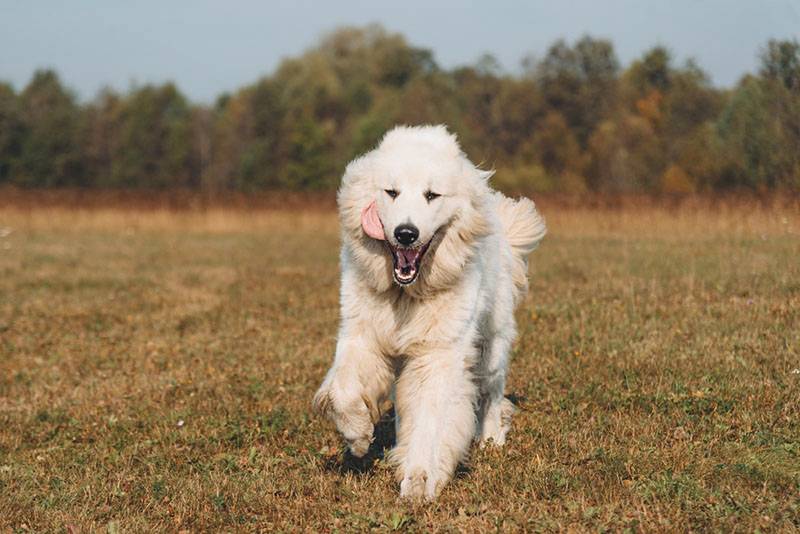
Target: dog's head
x=415 y=200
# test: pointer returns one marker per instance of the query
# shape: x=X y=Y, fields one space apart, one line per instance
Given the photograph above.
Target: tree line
x=573 y=120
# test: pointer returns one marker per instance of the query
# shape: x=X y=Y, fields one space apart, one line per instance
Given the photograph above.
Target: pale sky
x=208 y=47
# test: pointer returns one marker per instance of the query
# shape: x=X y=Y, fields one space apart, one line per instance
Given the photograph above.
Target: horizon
x=172 y=44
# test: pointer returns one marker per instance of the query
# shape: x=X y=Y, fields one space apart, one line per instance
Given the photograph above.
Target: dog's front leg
x=352 y=392
x=436 y=398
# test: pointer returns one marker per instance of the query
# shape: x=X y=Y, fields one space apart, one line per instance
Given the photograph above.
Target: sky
x=208 y=48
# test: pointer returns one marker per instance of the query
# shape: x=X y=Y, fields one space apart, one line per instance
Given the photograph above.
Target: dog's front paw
x=412 y=487
x=354 y=416
x=497 y=424
x=419 y=485
x=359 y=446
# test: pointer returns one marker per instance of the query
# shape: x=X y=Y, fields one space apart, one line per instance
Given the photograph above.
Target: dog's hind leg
x=495 y=410
x=436 y=398
x=353 y=391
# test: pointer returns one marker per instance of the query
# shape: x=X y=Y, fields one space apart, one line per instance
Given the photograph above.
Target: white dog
x=433 y=264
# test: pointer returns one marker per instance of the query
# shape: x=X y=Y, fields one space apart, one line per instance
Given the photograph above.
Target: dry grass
x=156 y=370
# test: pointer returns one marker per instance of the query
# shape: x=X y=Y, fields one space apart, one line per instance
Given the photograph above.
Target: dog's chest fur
x=402 y=325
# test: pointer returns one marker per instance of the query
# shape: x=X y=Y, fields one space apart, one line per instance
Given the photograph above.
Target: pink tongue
x=371 y=223
x=406 y=257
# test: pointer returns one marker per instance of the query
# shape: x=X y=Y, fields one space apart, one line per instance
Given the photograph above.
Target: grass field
x=157 y=369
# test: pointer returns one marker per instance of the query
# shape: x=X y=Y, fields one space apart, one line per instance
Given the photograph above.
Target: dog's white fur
x=439 y=346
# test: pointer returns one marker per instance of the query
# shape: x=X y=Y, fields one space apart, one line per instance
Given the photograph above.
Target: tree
x=554 y=146
x=155 y=140
x=100 y=135
x=309 y=165
x=625 y=156
x=653 y=71
x=12 y=131
x=754 y=142
x=49 y=149
x=571 y=122
x=780 y=61
x=580 y=82
x=780 y=66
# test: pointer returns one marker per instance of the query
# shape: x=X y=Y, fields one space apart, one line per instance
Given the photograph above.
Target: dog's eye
x=430 y=195
x=392 y=192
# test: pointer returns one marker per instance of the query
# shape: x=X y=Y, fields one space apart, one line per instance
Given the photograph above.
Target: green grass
x=156 y=373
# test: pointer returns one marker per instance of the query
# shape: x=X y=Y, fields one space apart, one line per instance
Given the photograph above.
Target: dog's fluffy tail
x=524 y=229
x=523 y=226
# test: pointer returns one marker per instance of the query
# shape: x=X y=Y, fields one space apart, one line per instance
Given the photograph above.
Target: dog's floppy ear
x=371 y=222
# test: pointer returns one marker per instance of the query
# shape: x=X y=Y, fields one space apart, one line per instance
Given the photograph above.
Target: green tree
x=155 y=140
x=780 y=61
x=653 y=71
x=309 y=165
x=12 y=131
x=100 y=136
x=49 y=150
x=580 y=82
x=264 y=127
x=754 y=141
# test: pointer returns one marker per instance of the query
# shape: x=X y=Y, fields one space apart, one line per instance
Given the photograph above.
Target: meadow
x=157 y=368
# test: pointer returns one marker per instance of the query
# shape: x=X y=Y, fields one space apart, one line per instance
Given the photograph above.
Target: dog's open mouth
x=407 y=262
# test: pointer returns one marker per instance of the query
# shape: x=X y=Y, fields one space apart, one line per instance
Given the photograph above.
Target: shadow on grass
x=517 y=400
x=385 y=438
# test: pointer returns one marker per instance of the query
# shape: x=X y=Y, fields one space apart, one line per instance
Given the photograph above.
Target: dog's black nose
x=406 y=234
